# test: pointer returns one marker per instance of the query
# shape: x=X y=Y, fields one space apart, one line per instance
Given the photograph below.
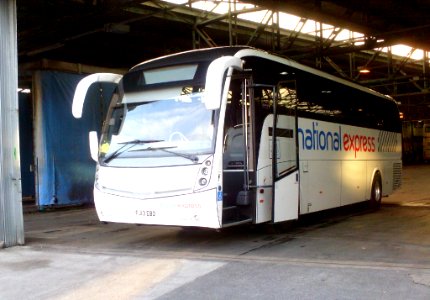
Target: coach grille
x=397 y=175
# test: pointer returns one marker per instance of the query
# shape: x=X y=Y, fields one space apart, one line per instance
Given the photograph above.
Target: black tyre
x=376 y=193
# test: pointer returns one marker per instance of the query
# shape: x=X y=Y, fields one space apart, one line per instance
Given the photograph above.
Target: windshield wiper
x=123 y=148
x=191 y=157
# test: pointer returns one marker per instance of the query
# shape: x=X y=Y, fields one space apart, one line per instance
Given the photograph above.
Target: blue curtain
x=65 y=171
x=26 y=144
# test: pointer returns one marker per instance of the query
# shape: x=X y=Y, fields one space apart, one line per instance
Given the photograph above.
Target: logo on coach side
x=324 y=140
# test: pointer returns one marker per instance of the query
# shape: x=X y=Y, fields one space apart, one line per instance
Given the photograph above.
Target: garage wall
x=64 y=169
x=11 y=219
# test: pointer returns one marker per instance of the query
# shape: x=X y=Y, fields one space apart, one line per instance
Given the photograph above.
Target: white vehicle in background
x=225 y=136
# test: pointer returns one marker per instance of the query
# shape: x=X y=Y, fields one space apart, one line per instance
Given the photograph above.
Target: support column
x=11 y=218
x=391 y=72
x=426 y=70
x=319 y=44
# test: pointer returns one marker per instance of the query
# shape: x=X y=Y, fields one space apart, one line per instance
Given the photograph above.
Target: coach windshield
x=159 y=114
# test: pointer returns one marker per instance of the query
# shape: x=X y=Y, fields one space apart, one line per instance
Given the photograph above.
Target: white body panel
x=264 y=175
x=192 y=209
x=338 y=163
x=353 y=186
x=286 y=198
x=319 y=185
x=286 y=188
x=145 y=183
x=264 y=200
x=156 y=195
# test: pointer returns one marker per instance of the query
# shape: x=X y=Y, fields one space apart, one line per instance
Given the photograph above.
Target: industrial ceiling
x=121 y=33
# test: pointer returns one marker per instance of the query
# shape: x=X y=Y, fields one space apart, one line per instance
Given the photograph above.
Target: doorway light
x=363 y=70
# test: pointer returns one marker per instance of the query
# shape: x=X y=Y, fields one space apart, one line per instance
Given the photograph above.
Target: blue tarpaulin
x=26 y=145
x=65 y=170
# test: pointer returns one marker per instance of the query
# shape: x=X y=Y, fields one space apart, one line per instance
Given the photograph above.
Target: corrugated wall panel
x=11 y=218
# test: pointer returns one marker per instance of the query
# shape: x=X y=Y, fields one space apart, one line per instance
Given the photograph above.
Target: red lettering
x=189 y=205
x=360 y=140
x=345 y=142
x=373 y=144
x=358 y=143
x=365 y=140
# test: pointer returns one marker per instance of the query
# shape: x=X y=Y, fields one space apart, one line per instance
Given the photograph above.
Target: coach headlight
x=204 y=174
x=205 y=171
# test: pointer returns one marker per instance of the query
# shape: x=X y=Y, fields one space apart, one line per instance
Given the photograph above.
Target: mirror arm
x=84 y=85
x=94 y=145
x=214 y=79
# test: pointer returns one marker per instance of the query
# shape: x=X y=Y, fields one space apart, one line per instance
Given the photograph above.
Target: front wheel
x=376 y=193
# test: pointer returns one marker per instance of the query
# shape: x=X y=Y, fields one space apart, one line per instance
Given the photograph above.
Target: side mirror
x=214 y=79
x=84 y=85
x=94 y=145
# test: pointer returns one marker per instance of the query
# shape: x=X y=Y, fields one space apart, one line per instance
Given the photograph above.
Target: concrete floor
x=361 y=255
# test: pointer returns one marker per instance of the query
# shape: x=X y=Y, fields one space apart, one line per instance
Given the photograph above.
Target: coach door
x=284 y=154
x=239 y=154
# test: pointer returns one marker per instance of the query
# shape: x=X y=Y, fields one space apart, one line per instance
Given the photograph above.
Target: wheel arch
x=375 y=172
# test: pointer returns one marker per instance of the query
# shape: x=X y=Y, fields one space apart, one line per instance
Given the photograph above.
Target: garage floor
x=348 y=255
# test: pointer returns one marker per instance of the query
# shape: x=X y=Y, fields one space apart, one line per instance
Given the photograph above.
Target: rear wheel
x=376 y=193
